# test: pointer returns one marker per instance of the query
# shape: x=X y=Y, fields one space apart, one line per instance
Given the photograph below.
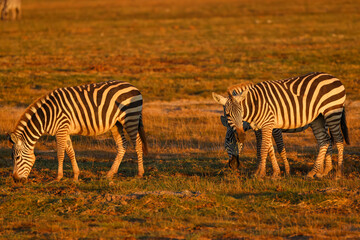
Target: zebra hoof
x=259 y=176
x=326 y=173
x=319 y=175
x=287 y=172
x=109 y=176
x=58 y=179
x=338 y=176
x=309 y=177
x=76 y=178
x=275 y=176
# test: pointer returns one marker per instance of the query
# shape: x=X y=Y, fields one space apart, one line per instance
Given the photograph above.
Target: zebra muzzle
x=18 y=179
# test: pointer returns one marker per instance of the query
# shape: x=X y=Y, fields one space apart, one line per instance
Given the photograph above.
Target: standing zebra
x=234 y=148
x=289 y=104
x=88 y=110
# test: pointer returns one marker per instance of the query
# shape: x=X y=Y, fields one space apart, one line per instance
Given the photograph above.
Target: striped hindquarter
x=83 y=110
x=290 y=104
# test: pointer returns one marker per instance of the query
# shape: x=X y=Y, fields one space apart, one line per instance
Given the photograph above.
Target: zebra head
x=22 y=156
x=233 y=113
x=232 y=147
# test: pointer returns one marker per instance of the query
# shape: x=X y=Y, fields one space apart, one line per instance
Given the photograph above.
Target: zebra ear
x=223 y=121
x=240 y=97
x=219 y=99
x=11 y=139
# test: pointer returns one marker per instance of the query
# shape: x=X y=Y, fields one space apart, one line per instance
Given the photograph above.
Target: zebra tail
x=143 y=137
x=344 y=128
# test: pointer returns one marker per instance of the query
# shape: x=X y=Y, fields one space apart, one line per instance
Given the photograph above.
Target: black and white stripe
x=290 y=104
x=84 y=110
x=231 y=144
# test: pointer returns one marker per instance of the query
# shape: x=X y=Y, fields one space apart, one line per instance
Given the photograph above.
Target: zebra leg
x=139 y=152
x=328 y=165
x=328 y=161
x=319 y=163
x=323 y=140
x=274 y=163
x=340 y=147
x=277 y=135
x=61 y=145
x=286 y=163
x=121 y=144
x=258 y=136
x=334 y=123
x=276 y=169
x=265 y=145
x=71 y=153
x=133 y=126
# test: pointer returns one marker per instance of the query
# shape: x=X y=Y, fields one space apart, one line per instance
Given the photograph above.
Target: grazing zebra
x=10 y=7
x=289 y=104
x=277 y=135
x=84 y=110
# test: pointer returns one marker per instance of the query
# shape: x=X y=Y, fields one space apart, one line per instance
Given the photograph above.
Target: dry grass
x=175 y=50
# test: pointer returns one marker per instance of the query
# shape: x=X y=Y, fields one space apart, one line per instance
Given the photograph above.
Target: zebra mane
x=238 y=88
x=30 y=110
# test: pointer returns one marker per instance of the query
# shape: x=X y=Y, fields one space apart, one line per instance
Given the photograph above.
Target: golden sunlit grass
x=176 y=50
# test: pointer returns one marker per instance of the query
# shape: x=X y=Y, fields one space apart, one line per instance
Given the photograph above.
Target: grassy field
x=177 y=53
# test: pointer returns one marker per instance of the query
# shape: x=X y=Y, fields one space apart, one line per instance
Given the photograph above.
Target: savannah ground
x=177 y=53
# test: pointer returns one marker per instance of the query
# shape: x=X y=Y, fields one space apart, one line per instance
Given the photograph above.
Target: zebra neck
x=31 y=125
x=28 y=141
x=248 y=111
